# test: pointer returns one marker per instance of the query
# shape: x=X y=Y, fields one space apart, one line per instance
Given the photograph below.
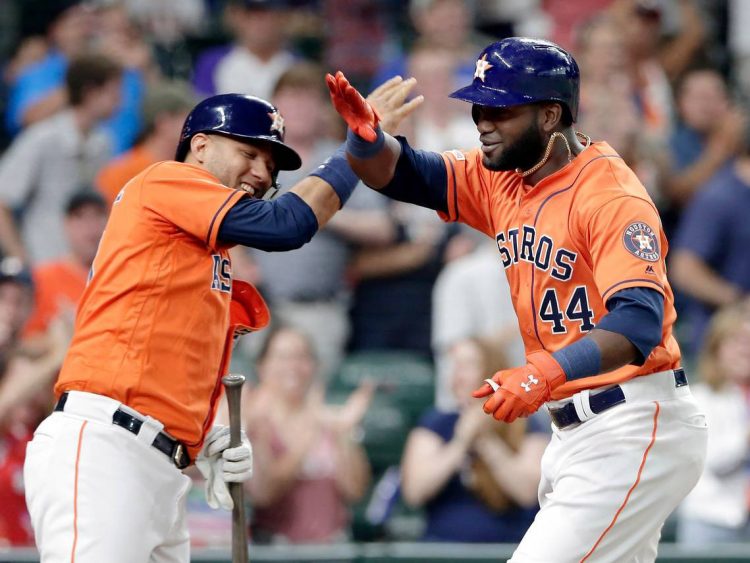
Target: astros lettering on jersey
x=567 y=245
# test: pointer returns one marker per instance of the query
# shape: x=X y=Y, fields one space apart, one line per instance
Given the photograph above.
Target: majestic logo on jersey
x=278 y=122
x=222 y=278
x=525 y=245
x=640 y=240
x=527 y=384
x=482 y=67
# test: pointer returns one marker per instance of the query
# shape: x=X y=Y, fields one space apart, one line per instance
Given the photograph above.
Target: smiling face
x=511 y=137
x=238 y=165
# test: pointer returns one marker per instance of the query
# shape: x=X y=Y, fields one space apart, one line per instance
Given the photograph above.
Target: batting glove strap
x=548 y=367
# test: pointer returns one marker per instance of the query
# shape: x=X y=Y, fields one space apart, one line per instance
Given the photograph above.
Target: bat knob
x=233 y=379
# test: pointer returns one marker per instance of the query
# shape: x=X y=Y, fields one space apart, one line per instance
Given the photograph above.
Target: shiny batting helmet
x=520 y=70
x=241 y=117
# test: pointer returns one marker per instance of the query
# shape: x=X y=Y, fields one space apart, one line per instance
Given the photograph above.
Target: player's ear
x=550 y=116
x=199 y=145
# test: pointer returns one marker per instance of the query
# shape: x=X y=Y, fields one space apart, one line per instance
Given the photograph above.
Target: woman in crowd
x=308 y=464
x=476 y=478
x=716 y=511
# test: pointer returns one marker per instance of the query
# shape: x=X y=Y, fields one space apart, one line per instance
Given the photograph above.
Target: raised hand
x=359 y=115
x=388 y=99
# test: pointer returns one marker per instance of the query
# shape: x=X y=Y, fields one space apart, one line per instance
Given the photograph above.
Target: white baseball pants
x=609 y=483
x=96 y=492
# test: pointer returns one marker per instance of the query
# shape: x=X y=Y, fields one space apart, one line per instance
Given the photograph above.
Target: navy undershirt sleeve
x=420 y=178
x=285 y=223
x=638 y=314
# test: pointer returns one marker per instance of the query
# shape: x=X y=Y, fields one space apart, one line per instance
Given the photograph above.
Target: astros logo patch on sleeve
x=640 y=240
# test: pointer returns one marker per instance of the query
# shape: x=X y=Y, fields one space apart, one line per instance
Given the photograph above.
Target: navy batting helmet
x=241 y=117
x=519 y=70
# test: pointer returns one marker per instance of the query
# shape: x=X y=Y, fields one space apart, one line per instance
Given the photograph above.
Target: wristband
x=338 y=174
x=359 y=148
x=583 y=358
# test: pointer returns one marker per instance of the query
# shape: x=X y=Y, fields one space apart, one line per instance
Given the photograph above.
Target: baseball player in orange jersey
x=138 y=391
x=582 y=246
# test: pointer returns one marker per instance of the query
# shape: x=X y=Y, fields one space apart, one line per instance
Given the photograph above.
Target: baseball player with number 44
x=582 y=246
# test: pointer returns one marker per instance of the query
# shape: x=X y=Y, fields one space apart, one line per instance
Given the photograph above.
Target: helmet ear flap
x=275 y=188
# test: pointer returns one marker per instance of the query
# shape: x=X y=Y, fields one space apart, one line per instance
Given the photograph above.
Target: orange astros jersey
x=151 y=325
x=567 y=245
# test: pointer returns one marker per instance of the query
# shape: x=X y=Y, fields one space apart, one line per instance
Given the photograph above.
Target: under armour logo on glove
x=527 y=384
x=538 y=379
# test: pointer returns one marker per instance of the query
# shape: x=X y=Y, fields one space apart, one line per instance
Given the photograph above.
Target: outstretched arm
x=292 y=219
x=372 y=153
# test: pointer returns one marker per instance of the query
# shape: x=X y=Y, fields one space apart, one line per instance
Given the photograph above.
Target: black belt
x=567 y=416
x=170 y=447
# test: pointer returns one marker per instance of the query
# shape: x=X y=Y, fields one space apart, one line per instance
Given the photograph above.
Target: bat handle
x=233 y=385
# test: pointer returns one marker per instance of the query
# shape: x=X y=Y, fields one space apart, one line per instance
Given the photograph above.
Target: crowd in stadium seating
x=388 y=317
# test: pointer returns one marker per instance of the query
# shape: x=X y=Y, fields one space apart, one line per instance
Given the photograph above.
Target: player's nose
x=262 y=174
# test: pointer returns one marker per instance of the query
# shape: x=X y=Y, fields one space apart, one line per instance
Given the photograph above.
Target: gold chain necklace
x=548 y=151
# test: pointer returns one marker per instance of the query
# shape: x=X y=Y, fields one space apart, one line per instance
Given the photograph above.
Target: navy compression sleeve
x=420 y=178
x=285 y=223
x=638 y=314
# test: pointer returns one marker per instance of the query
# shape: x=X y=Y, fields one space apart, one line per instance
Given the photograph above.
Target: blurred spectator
x=118 y=37
x=25 y=397
x=656 y=47
x=165 y=108
x=356 y=36
x=309 y=466
x=565 y=18
x=654 y=63
x=55 y=158
x=476 y=478
x=392 y=299
x=307 y=287
x=255 y=59
x=59 y=284
x=716 y=510
x=15 y=428
x=440 y=24
x=525 y=18
x=76 y=28
x=608 y=108
x=710 y=133
x=739 y=42
x=472 y=298
x=39 y=68
x=167 y=23
x=710 y=261
x=440 y=123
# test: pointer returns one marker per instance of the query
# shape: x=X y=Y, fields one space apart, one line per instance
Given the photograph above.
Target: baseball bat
x=233 y=385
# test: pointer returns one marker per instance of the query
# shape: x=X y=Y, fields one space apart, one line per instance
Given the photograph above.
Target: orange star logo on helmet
x=482 y=67
x=278 y=122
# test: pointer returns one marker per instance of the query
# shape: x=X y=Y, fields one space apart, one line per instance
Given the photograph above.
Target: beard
x=524 y=153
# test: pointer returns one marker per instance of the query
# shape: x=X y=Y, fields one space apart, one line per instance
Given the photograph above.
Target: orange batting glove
x=359 y=115
x=521 y=391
